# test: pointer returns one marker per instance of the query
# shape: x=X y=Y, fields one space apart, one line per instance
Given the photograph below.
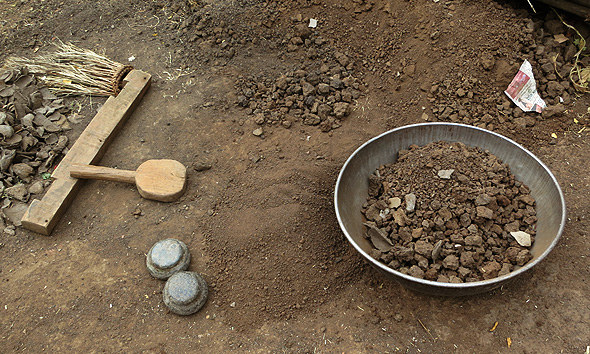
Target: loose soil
x=446 y=212
x=258 y=213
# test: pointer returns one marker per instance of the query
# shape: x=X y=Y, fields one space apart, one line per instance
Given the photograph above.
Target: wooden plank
x=43 y=215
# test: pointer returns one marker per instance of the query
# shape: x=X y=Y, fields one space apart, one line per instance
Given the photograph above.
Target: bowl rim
x=489 y=283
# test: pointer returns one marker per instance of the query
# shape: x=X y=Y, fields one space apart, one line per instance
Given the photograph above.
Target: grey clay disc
x=185 y=293
x=167 y=257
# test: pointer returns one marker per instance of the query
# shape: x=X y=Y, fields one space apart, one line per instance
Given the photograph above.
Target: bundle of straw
x=72 y=71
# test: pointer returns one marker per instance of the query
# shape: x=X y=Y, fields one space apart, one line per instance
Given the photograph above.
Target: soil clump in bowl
x=449 y=212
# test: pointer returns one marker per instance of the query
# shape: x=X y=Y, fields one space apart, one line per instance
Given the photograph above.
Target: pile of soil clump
x=321 y=93
x=322 y=97
x=552 y=61
x=449 y=212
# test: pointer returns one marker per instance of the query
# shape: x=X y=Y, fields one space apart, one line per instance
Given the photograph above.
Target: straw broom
x=71 y=71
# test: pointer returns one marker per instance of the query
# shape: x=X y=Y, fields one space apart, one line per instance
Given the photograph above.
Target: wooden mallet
x=161 y=180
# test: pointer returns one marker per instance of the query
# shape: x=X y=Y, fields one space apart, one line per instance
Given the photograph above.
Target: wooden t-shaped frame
x=43 y=215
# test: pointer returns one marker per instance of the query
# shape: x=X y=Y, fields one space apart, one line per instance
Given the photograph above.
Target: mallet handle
x=102 y=173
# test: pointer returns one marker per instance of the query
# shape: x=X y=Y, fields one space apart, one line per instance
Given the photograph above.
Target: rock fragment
x=523 y=238
x=445 y=174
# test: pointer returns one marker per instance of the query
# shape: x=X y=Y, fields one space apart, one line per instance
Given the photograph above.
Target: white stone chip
x=522 y=238
x=445 y=174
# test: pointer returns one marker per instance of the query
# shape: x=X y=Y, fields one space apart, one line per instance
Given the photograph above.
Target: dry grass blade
x=71 y=71
x=531 y=5
x=579 y=76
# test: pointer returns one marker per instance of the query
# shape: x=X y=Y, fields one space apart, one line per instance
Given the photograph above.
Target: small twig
x=531 y=5
x=554 y=60
x=494 y=327
x=426 y=329
x=147 y=26
x=180 y=73
x=169 y=59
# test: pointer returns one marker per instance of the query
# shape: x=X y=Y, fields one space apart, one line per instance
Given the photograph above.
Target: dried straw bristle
x=579 y=75
x=71 y=71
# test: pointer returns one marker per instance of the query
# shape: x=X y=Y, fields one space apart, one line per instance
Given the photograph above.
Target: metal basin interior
x=352 y=185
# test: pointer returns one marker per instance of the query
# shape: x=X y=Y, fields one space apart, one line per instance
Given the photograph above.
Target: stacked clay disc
x=185 y=292
x=167 y=257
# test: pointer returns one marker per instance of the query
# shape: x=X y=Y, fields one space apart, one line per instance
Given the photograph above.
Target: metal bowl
x=352 y=191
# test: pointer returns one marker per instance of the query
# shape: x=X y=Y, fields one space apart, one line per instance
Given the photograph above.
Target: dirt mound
x=289 y=258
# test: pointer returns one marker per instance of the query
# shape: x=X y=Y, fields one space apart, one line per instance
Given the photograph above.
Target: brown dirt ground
x=260 y=223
